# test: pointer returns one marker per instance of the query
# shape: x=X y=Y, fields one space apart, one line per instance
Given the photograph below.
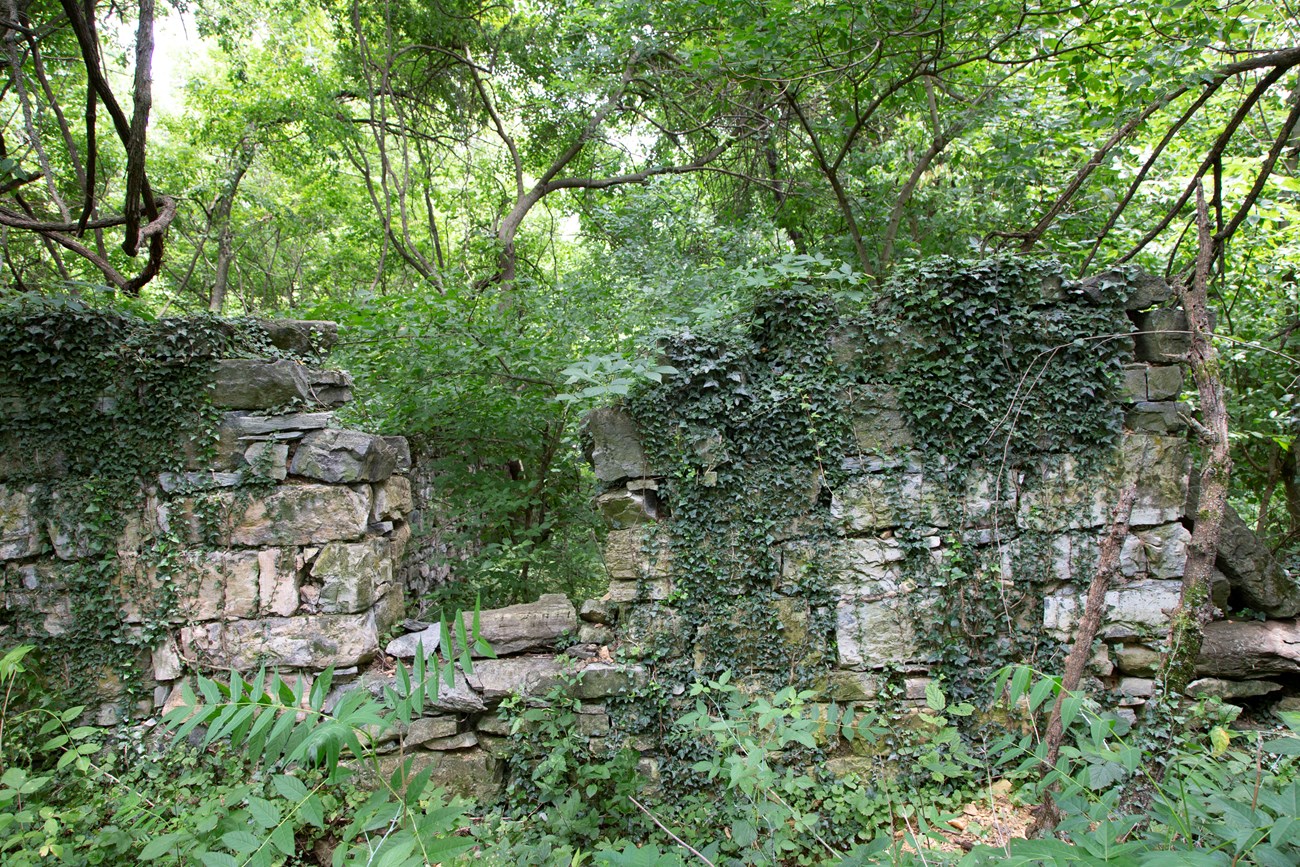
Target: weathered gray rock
x=288 y=515
x=38 y=590
x=656 y=630
x=1250 y=649
x=1256 y=578
x=626 y=561
x=251 y=383
x=1136 y=659
x=842 y=685
x=875 y=634
x=594 y=633
x=496 y=679
x=402 y=449
x=1165 y=550
x=351 y=575
x=616 y=452
x=622 y=508
x=343 y=456
x=201 y=481
x=243 y=424
x=19 y=531
x=1057 y=495
x=1132 y=609
x=601 y=680
x=301 y=336
x=1228 y=690
x=313 y=642
x=1151 y=382
x=1160 y=417
x=392 y=499
x=219 y=584
x=597 y=611
x=513 y=629
x=1163 y=335
x=650 y=590
x=268 y=460
x=427 y=728
x=329 y=387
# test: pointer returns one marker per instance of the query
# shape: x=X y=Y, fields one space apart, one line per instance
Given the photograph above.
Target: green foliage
x=1000 y=355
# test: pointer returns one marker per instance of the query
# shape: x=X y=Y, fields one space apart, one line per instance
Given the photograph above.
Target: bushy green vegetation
x=275 y=780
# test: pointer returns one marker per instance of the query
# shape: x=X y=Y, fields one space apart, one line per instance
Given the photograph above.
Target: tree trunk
x=1195 y=608
x=243 y=158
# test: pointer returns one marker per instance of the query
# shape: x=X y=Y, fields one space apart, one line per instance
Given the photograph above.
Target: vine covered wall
x=175 y=496
x=869 y=495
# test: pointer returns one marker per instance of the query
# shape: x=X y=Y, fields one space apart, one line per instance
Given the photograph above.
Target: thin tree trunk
x=1047 y=816
x=1195 y=608
x=221 y=216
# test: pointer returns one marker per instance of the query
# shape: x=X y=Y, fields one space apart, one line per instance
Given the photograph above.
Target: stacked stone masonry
x=293 y=533
x=1053 y=504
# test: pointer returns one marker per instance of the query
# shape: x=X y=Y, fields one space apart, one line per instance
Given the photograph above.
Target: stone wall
x=899 y=515
x=287 y=538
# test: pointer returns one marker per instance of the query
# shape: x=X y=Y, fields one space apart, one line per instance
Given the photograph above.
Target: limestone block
x=398 y=540
x=1136 y=659
x=883 y=500
x=402 y=449
x=198 y=481
x=312 y=642
x=251 y=383
x=616 y=452
x=1162 y=335
x=166 y=661
x=392 y=499
x=1058 y=495
x=639 y=591
x=277 y=582
x=1165 y=465
x=496 y=679
x=594 y=633
x=294 y=515
x=243 y=424
x=217 y=584
x=301 y=336
x=1229 y=690
x=1151 y=382
x=875 y=633
x=1159 y=417
x=329 y=387
x=351 y=575
x=1165 y=549
x=19 y=530
x=597 y=611
x=866 y=568
x=37 y=590
x=622 y=508
x=844 y=685
x=655 y=629
x=390 y=610
x=513 y=629
x=268 y=460
x=1145 y=290
x=1250 y=649
x=428 y=728
x=343 y=457
x=625 y=560
x=1131 y=609
x=601 y=680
